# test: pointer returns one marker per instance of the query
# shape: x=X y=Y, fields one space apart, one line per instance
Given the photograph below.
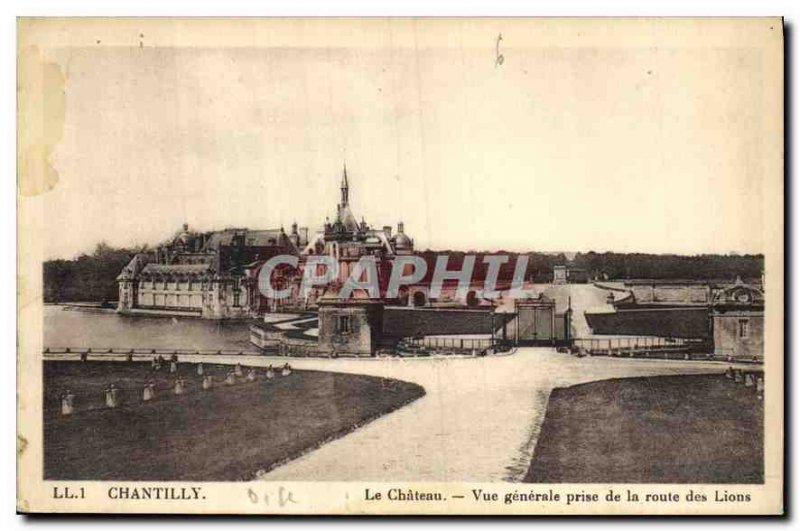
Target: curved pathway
x=478 y=421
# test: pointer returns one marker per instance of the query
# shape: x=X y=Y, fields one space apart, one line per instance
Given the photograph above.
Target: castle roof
x=347 y=219
x=137 y=263
x=252 y=238
x=176 y=269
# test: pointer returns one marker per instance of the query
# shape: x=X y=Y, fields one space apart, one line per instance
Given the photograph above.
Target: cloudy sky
x=567 y=145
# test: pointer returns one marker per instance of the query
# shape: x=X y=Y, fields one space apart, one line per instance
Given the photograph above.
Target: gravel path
x=478 y=421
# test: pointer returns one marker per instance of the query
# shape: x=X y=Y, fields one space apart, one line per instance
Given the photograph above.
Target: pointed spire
x=345 y=185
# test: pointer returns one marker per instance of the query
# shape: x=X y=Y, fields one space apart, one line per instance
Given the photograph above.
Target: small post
x=112 y=396
x=149 y=392
x=67 y=403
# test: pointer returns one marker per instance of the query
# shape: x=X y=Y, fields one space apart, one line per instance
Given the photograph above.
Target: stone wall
x=408 y=322
x=689 y=322
x=362 y=329
x=671 y=293
x=727 y=339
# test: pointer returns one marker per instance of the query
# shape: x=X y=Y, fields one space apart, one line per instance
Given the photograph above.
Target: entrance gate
x=536 y=322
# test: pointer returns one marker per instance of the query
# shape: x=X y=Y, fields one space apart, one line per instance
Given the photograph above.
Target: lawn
x=226 y=433
x=667 y=429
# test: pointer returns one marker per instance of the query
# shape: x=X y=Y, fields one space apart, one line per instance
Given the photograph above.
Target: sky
x=565 y=145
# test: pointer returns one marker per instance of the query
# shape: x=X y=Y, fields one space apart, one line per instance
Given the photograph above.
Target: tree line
x=89 y=277
x=92 y=277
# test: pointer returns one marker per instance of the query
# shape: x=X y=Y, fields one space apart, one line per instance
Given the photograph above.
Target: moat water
x=66 y=327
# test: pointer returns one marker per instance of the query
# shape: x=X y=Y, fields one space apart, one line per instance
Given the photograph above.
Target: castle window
x=344 y=326
x=744 y=328
x=236 y=297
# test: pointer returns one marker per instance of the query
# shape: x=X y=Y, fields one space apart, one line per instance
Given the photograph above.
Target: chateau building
x=346 y=240
x=215 y=274
x=201 y=274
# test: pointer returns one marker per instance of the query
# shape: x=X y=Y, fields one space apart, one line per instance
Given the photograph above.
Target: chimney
x=400 y=227
x=387 y=229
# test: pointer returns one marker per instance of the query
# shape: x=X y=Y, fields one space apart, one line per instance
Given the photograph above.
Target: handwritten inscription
x=498 y=58
x=281 y=498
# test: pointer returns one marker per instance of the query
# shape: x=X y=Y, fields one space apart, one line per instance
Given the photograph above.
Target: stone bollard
x=200 y=369
x=67 y=403
x=112 y=396
x=207 y=382
x=149 y=391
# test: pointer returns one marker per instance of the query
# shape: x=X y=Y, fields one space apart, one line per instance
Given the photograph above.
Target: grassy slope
x=225 y=434
x=669 y=429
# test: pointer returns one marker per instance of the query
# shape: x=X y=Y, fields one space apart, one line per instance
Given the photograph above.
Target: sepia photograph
x=400 y=265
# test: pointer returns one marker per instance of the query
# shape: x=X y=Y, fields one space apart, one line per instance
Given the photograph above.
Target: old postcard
x=400 y=266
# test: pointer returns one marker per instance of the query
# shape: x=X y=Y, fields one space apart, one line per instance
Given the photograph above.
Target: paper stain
x=22 y=445
x=41 y=108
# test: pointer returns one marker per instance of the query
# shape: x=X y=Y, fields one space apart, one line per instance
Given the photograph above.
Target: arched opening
x=419 y=299
x=403 y=296
x=472 y=299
